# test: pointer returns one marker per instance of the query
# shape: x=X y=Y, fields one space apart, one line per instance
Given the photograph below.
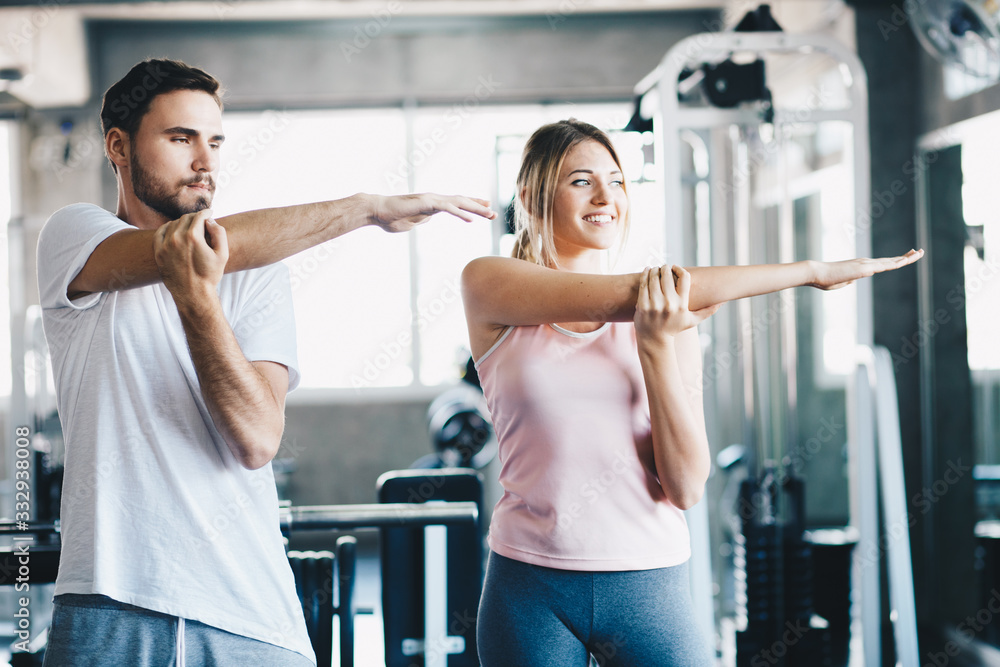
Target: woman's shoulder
x=491 y=263
x=483 y=273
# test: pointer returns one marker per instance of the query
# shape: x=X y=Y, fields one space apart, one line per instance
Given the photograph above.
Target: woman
x=592 y=381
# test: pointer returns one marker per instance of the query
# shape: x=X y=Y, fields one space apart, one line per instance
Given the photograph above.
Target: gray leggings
x=533 y=616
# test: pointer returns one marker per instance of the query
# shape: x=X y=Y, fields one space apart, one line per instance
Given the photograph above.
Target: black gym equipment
x=422 y=627
x=780 y=594
x=325 y=586
x=459 y=427
x=775 y=562
x=738 y=134
x=325 y=581
x=315 y=571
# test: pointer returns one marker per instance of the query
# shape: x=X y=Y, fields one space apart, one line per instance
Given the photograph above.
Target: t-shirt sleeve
x=265 y=326
x=64 y=245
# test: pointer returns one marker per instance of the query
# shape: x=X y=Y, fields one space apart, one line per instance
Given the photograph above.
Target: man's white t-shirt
x=156 y=511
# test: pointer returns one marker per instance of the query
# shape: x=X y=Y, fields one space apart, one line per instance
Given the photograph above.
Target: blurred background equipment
x=459 y=426
x=963 y=33
x=763 y=139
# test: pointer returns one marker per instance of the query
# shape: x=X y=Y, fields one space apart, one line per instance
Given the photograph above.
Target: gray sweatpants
x=533 y=616
x=96 y=631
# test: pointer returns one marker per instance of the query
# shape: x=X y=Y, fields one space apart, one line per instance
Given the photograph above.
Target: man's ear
x=116 y=146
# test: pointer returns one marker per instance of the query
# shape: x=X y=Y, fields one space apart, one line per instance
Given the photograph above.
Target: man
x=173 y=346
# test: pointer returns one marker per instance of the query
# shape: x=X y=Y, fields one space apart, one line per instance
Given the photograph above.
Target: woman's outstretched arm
x=717 y=284
x=500 y=291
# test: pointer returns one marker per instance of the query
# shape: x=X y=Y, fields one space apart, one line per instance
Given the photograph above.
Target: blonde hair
x=537 y=180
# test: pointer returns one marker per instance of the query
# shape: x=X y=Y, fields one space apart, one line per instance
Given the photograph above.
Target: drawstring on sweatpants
x=180 y=643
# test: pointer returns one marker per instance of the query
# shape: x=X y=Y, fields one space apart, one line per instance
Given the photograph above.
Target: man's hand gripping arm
x=245 y=399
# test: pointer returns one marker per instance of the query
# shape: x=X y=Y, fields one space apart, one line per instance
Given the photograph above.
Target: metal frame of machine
x=671 y=118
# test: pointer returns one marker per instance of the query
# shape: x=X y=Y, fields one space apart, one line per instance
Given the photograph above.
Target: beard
x=157 y=195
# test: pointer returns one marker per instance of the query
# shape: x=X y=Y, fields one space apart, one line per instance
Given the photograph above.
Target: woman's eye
x=581 y=181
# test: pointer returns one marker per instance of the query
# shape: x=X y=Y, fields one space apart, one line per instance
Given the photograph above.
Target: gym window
x=377 y=311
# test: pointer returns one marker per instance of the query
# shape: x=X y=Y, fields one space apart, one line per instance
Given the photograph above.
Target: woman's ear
x=525 y=202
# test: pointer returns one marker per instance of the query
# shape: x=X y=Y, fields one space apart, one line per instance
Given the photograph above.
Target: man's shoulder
x=65 y=243
x=81 y=209
x=80 y=215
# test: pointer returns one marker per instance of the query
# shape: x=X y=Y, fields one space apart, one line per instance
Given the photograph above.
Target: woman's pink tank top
x=572 y=420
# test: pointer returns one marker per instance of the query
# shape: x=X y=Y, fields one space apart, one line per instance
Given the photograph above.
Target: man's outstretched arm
x=258 y=238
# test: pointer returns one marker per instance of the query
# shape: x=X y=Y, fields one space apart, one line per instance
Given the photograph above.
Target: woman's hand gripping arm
x=670 y=356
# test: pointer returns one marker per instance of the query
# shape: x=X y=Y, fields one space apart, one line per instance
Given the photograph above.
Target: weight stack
x=758 y=560
x=775 y=574
x=808 y=641
x=832 y=550
x=316 y=587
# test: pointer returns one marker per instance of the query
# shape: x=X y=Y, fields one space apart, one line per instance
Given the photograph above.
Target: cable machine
x=762 y=143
